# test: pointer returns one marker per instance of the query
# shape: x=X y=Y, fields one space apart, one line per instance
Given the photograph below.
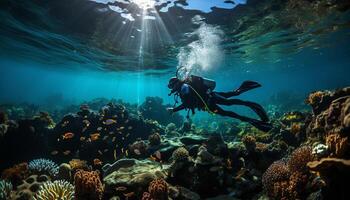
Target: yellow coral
x=60 y=189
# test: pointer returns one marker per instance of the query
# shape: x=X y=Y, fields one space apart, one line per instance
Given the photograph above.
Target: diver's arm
x=178 y=108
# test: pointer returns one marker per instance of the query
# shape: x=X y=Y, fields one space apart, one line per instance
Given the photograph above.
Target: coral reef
x=55 y=190
x=154 y=139
x=180 y=154
x=16 y=174
x=276 y=173
x=5 y=190
x=157 y=190
x=30 y=187
x=43 y=166
x=336 y=174
x=88 y=185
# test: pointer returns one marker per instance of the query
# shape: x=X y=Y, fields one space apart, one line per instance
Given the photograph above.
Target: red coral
x=88 y=185
x=16 y=174
x=158 y=189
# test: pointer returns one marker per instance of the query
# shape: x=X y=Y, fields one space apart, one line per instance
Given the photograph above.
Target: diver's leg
x=245 y=86
x=258 y=109
x=261 y=125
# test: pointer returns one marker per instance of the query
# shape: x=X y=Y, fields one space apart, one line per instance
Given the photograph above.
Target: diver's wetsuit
x=194 y=95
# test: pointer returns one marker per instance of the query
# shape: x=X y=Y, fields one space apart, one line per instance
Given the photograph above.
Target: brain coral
x=88 y=185
x=5 y=190
x=43 y=166
x=158 y=189
x=62 y=190
x=180 y=153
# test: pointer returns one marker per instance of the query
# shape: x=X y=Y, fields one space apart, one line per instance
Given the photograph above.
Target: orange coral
x=299 y=159
x=158 y=189
x=88 y=185
x=315 y=98
x=16 y=174
x=76 y=164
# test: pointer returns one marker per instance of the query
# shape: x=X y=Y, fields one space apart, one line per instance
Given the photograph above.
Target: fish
x=110 y=121
x=86 y=122
x=97 y=161
x=105 y=137
x=82 y=138
x=121 y=188
x=126 y=152
x=100 y=152
x=105 y=150
x=126 y=121
x=54 y=153
x=130 y=127
x=66 y=152
x=115 y=154
x=99 y=128
x=68 y=135
x=95 y=136
x=121 y=128
x=113 y=139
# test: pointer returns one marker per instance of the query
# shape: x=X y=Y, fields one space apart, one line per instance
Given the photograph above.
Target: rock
x=133 y=173
x=122 y=163
x=29 y=187
x=64 y=172
x=192 y=139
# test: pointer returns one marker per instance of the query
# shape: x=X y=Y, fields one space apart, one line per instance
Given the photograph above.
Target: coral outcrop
x=16 y=174
x=30 y=187
x=157 y=190
x=88 y=185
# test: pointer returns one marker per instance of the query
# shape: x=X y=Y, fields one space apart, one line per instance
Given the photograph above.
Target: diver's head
x=174 y=84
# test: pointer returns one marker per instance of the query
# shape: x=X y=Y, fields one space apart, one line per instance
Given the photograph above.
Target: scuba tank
x=209 y=83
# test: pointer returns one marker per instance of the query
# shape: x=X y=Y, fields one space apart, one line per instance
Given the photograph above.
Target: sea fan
x=5 y=189
x=43 y=166
x=60 y=189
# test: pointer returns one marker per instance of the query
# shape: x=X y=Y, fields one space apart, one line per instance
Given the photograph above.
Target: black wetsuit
x=195 y=94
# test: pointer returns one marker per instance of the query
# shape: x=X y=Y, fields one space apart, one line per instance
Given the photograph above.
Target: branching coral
x=299 y=158
x=180 y=154
x=88 y=185
x=158 y=189
x=16 y=173
x=43 y=166
x=5 y=190
x=62 y=190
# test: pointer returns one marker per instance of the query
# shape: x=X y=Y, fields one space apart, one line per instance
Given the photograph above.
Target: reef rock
x=132 y=173
x=336 y=174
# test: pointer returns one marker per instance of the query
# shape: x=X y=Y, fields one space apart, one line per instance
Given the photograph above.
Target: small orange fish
x=68 y=135
x=110 y=121
x=54 y=153
x=97 y=161
x=95 y=136
x=66 y=152
x=121 y=188
x=130 y=194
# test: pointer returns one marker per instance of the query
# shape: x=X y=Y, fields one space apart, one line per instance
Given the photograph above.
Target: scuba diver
x=198 y=92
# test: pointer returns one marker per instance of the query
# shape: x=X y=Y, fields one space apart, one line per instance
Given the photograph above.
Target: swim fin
x=259 y=110
x=263 y=126
x=246 y=86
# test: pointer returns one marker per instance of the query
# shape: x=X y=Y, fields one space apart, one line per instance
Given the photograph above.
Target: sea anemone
x=88 y=185
x=180 y=154
x=158 y=189
x=60 y=189
x=16 y=174
x=5 y=190
x=299 y=158
x=43 y=166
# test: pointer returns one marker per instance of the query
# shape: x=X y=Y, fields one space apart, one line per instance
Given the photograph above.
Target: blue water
x=40 y=59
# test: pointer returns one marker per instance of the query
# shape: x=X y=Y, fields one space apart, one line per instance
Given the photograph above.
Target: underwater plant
x=88 y=185
x=60 y=189
x=5 y=189
x=43 y=166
